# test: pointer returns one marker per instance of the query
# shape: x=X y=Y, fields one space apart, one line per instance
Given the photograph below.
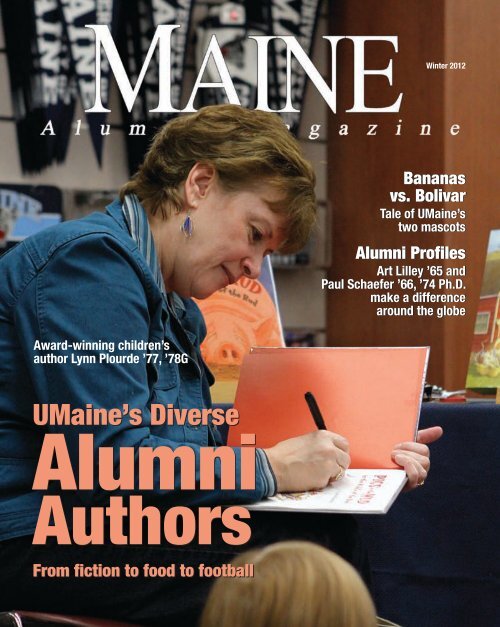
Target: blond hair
x=295 y=584
x=247 y=148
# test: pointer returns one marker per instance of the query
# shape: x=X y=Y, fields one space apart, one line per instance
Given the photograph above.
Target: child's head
x=295 y=584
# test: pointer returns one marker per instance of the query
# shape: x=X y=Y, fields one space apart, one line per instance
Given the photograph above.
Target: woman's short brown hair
x=295 y=584
x=247 y=148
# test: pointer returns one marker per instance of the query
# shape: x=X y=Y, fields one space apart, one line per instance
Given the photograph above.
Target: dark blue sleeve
x=93 y=289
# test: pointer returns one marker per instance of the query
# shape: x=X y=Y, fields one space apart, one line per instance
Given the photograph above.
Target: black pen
x=314 y=409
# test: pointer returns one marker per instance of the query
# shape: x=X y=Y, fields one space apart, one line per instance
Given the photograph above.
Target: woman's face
x=232 y=232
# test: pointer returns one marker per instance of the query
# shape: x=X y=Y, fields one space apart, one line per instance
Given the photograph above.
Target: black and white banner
x=51 y=55
x=177 y=12
x=76 y=15
x=42 y=84
x=230 y=25
x=55 y=85
x=138 y=22
x=295 y=18
x=136 y=32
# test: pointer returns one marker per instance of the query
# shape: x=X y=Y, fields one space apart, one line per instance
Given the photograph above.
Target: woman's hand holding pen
x=309 y=461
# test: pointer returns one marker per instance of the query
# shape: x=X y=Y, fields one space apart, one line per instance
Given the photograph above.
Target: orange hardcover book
x=371 y=396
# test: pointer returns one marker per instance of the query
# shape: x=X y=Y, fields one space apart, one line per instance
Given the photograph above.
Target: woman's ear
x=200 y=179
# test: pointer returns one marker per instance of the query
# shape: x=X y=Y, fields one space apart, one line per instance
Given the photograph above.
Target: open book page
x=359 y=492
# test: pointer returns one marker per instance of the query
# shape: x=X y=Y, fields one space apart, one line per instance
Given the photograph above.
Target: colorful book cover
x=484 y=364
x=239 y=316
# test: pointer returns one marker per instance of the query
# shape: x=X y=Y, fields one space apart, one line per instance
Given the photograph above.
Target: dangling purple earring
x=187 y=226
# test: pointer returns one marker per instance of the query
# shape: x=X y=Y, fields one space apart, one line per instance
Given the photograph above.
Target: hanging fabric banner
x=55 y=87
x=136 y=31
x=295 y=18
x=67 y=93
x=20 y=41
x=138 y=23
x=77 y=14
x=229 y=23
x=175 y=12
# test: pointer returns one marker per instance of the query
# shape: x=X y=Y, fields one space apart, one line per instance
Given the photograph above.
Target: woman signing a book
x=97 y=330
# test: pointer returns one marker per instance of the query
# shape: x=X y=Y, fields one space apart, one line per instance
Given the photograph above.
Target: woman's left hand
x=414 y=457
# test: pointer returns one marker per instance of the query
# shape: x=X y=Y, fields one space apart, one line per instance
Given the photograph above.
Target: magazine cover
x=339 y=157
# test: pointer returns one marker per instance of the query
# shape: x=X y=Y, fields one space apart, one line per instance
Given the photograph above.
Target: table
x=435 y=555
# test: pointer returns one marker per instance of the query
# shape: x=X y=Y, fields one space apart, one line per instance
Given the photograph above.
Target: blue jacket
x=85 y=280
